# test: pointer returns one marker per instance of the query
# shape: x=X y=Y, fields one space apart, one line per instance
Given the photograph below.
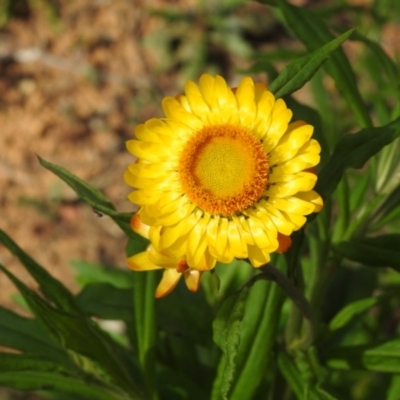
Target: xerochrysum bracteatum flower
x=224 y=175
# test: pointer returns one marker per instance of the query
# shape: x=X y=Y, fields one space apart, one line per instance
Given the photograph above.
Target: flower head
x=224 y=175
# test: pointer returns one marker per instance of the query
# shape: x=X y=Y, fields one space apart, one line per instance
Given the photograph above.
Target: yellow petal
x=237 y=243
x=297 y=220
x=292 y=184
x=246 y=105
x=177 y=215
x=293 y=205
x=260 y=236
x=296 y=136
x=168 y=282
x=264 y=114
x=222 y=236
x=196 y=101
x=143 y=197
x=154 y=152
x=153 y=170
x=281 y=223
x=175 y=112
x=278 y=125
x=212 y=230
x=141 y=262
x=312 y=197
x=226 y=101
x=243 y=229
x=192 y=280
x=207 y=89
x=259 y=89
x=171 y=233
x=161 y=258
x=258 y=257
x=139 y=227
x=145 y=133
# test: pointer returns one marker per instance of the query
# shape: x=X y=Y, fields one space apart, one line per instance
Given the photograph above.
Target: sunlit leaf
x=300 y=71
x=353 y=151
x=347 y=313
x=313 y=32
x=93 y=197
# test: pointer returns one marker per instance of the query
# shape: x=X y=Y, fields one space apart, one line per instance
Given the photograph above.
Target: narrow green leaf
x=346 y=314
x=314 y=34
x=226 y=334
x=86 y=192
x=394 y=388
x=353 y=151
x=93 y=197
x=303 y=387
x=379 y=251
x=27 y=335
x=381 y=357
x=388 y=210
x=31 y=373
x=105 y=301
x=52 y=289
x=95 y=273
x=300 y=71
x=81 y=337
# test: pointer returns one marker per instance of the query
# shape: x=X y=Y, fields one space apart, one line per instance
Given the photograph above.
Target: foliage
x=320 y=322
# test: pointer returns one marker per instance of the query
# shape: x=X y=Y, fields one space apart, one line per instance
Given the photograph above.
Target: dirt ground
x=73 y=86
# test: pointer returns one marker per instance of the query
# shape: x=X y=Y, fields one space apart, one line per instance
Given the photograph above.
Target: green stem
x=145 y=324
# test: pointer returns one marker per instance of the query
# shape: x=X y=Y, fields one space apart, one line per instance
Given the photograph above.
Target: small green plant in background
x=11 y=8
x=317 y=322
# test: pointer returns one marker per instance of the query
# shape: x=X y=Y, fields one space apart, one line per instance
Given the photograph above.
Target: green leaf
x=27 y=335
x=379 y=251
x=96 y=273
x=346 y=314
x=31 y=373
x=394 y=388
x=304 y=387
x=86 y=192
x=52 y=289
x=381 y=357
x=90 y=346
x=314 y=34
x=93 y=197
x=389 y=209
x=105 y=301
x=299 y=72
x=353 y=151
x=226 y=334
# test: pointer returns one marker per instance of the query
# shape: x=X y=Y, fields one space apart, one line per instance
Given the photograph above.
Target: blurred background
x=77 y=76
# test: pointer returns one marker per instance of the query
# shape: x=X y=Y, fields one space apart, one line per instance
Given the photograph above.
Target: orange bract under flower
x=223 y=169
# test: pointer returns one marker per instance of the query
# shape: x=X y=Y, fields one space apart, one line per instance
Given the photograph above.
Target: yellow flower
x=151 y=259
x=224 y=175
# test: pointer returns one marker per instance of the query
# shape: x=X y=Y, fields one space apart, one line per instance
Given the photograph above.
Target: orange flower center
x=223 y=169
